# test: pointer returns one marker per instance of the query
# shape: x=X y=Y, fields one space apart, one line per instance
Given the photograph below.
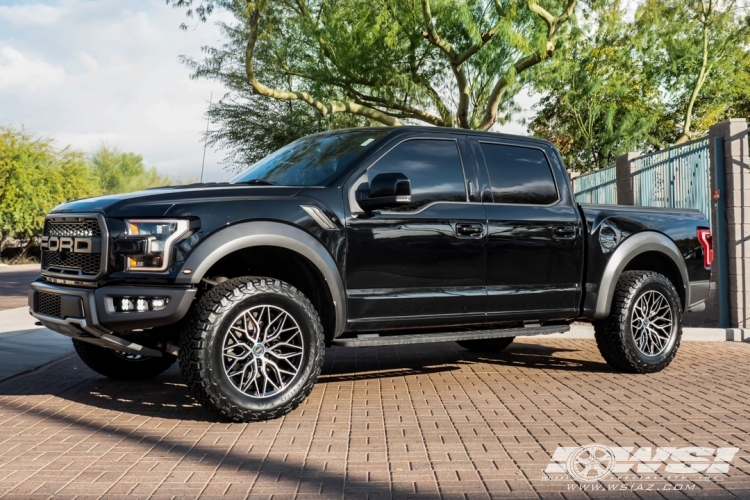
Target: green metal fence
x=599 y=186
x=676 y=177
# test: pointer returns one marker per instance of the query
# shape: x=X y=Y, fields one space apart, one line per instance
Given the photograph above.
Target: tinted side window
x=433 y=167
x=519 y=175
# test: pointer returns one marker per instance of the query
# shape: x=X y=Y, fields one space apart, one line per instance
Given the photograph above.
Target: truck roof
x=404 y=129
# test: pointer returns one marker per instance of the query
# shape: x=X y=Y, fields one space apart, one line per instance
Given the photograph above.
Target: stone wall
x=736 y=195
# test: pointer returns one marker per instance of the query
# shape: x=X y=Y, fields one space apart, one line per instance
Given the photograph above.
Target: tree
x=34 y=178
x=251 y=127
x=693 y=46
x=735 y=86
x=597 y=103
x=454 y=63
x=121 y=172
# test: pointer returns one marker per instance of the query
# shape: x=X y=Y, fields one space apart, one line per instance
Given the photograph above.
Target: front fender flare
x=272 y=234
x=633 y=246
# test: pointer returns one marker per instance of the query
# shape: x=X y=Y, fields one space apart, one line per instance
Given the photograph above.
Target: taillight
x=707 y=243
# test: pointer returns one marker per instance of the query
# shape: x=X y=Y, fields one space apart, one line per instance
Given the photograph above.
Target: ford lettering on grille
x=71 y=244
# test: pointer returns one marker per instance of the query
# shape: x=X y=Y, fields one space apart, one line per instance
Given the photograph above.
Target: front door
x=534 y=249
x=424 y=263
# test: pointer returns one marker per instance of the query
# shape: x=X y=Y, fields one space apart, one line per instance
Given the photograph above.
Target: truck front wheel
x=121 y=365
x=252 y=349
x=643 y=330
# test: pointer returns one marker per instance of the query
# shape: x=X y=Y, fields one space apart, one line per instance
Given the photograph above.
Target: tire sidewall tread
x=200 y=338
x=613 y=334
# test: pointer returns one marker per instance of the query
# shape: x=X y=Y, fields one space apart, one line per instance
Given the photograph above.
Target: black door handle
x=564 y=232
x=469 y=229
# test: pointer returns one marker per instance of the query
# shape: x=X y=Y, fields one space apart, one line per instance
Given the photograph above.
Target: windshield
x=310 y=161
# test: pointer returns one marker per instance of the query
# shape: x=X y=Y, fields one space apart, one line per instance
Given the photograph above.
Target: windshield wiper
x=258 y=182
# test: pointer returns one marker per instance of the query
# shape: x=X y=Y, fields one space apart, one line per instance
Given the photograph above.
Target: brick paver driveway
x=431 y=421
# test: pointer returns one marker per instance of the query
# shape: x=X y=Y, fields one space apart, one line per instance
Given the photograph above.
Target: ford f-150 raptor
x=355 y=238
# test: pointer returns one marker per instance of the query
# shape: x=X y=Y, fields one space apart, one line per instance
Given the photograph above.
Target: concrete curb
x=20 y=268
x=19 y=319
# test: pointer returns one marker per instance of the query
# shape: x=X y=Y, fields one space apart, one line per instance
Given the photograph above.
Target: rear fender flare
x=633 y=246
x=273 y=234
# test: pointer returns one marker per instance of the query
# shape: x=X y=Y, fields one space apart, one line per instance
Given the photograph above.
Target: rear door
x=534 y=250
x=421 y=264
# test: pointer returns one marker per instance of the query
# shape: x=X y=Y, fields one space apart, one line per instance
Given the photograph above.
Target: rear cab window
x=519 y=175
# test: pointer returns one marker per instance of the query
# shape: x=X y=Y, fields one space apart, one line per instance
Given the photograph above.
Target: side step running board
x=425 y=338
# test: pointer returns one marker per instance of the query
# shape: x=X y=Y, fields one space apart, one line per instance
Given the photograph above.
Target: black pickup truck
x=356 y=238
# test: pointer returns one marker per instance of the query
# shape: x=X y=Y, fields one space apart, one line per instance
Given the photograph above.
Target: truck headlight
x=158 y=237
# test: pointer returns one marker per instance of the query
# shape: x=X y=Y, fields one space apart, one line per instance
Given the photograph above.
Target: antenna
x=205 y=141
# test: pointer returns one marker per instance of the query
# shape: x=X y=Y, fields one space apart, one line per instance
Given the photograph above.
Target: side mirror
x=384 y=191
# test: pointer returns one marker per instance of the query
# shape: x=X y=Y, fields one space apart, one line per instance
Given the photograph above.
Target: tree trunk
x=685 y=137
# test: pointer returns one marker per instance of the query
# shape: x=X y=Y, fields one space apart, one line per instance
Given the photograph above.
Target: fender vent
x=319 y=216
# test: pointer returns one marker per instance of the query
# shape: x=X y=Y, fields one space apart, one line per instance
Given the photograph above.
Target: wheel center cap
x=646 y=321
x=258 y=350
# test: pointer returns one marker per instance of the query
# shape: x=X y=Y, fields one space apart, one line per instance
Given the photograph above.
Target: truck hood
x=158 y=201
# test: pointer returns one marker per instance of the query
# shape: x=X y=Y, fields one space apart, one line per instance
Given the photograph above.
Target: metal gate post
x=672 y=178
x=721 y=257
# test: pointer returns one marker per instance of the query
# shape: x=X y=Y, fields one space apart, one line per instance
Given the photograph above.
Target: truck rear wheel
x=643 y=330
x=253 y=349
x=121 y=365
x=486 y=345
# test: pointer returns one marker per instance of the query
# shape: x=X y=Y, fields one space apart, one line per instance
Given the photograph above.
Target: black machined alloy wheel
x=262 y=351
x=252 y=349
x=651 y=323
x=120 y=365
x=643 y=331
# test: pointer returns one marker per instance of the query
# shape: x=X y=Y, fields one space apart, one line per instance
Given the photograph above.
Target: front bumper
x=90 y=315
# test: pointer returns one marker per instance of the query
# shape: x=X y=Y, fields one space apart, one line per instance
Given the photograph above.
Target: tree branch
x=496 y=96
x=439 y=104
x=526 y=62
x=696 y=90
x=543 y=13
x=324 y=109
x=456 y=65
x=499 y=8
x=365 y=99
x=436 y=99
x=486 y=37
x=431 y=32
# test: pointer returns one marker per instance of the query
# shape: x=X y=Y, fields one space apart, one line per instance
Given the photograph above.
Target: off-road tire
x=200 y=362
x=486 y=345
x=115 y=366
x=614 y=336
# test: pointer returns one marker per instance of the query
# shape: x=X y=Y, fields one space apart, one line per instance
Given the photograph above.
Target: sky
x=93 y=72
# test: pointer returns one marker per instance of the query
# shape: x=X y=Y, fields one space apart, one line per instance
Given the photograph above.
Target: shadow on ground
x=97 y=405
x=166 y=396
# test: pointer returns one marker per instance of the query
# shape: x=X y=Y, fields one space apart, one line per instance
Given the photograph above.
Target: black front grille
x=89 y=227
x=48 y=304
x=71 y=263
x=87 y=263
